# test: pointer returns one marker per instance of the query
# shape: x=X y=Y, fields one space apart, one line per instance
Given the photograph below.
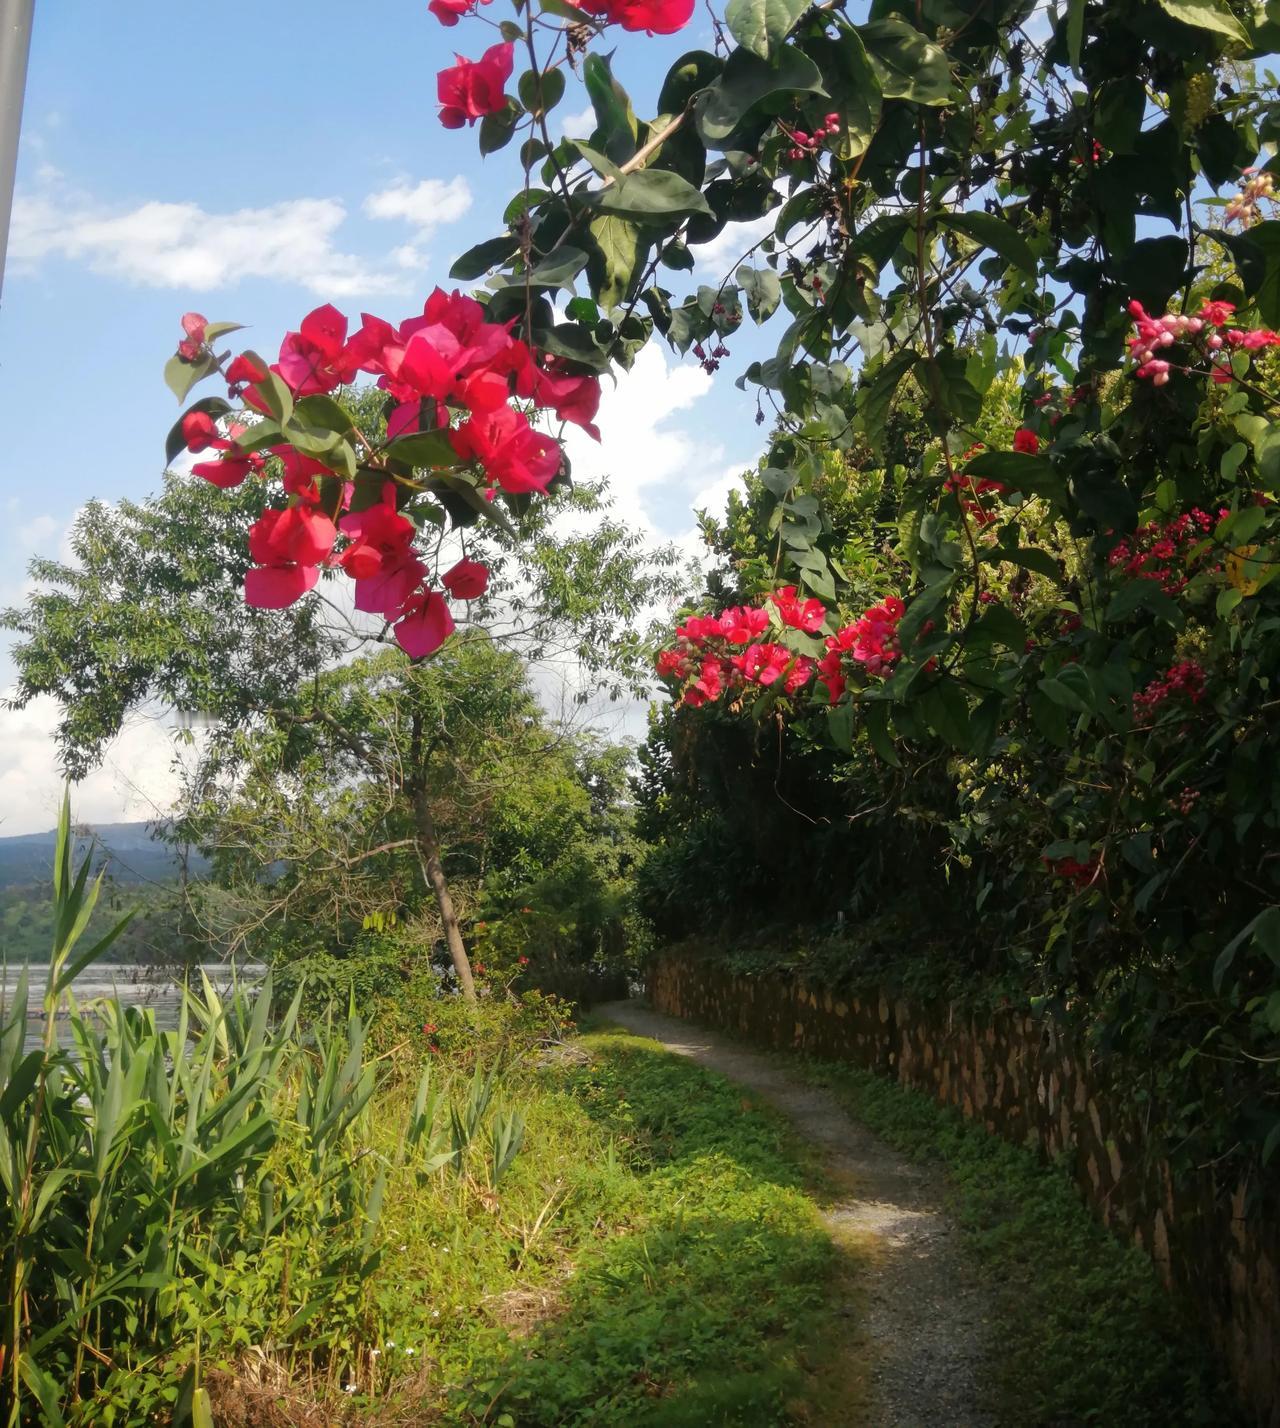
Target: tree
x=151 y=612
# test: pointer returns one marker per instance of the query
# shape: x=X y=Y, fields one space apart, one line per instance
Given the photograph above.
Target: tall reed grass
x=167 y=1191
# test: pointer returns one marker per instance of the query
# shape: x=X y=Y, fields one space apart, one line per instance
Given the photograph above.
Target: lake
x=154 y=987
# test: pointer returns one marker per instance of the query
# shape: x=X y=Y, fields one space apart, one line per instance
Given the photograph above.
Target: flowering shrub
x=451 y=378
x=958 y=228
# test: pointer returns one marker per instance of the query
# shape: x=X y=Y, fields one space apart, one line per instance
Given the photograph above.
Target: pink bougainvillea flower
x=199 y=431
x=449 y=12
x=298 y=533
x=806 y=615
x=1026 y=441
x=424 y=625
x=244 y=370
x=380 y=558
x=272 y=587
x=708 y=686
x=228 y=470
x=315 y=359
x=513 y=455
x=193 y=324
x=473 y=88
x=467 y=580
x=573 y=398
x=287 y=547
x=655 y=17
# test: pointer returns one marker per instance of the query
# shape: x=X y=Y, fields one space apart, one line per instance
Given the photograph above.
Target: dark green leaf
x=423 y=449
x=652 y=196
x=761 y=26
x=995 y=233
x=615 y=118
x=492 y=253
x=908 y=65
x=1206 y=15
x=749 y=82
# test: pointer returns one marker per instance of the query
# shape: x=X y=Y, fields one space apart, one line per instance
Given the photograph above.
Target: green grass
x=699 y=1267
x=1083 y=1330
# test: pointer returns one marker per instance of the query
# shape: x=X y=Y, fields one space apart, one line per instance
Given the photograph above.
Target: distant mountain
x=130 y=852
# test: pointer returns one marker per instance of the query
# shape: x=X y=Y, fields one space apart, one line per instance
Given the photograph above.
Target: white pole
x=15 y=45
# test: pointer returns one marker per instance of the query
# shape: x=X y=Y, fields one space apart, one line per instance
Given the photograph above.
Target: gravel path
x=922 y=1314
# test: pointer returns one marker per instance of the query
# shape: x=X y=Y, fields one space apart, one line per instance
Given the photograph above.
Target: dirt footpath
x=912 y=1343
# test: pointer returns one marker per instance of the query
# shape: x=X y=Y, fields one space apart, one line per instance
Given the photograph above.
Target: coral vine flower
x=473 y=88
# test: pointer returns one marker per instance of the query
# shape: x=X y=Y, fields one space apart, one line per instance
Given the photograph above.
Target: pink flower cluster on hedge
x=472 y=89
x=1185 y=680
x=1209 y=332
x=448 y=362
x=1163 y=552
x=870 y=641
x=715 y=654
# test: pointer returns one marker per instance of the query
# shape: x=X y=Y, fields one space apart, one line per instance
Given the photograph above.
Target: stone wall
x=1215 y=1244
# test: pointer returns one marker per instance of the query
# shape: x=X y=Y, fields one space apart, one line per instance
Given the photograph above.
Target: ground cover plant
x=1083 y=1330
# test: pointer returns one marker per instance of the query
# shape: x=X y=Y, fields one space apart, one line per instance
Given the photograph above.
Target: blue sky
x=250 y=162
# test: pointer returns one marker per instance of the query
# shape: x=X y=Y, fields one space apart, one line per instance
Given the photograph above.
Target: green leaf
x=875 y=718
x=181 y=375
x=749 y=82
x=562 y=10
x=220 y=329
x=492 y=253
x=423 y=449
x=1032 y=475
x=946 y=710
x=613 y=265
x=858 y=100
x=761 y=26
x=615 y=117
x=947 y=381
x=908 y=65
x=1257 y=255
x=540 y=93
x=1075 y=33
x=602 y=164
x=1206 y=15
x=995 y=233
x=1000 y=626
x=763 y=289
x=559 y=269
x=652 y=196
x=497 y=130
x=875 y=399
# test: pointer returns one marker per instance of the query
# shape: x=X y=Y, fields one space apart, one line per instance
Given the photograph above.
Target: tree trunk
x=433 y=871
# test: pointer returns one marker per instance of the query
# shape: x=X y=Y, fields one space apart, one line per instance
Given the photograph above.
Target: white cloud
x=36 y=532
x=641 y=448
x=425 y=206
x=164 y=244
x=733 y=241
x=579 y=126
x=181 y=245
x=137 y=778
